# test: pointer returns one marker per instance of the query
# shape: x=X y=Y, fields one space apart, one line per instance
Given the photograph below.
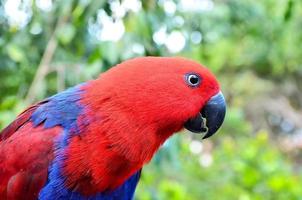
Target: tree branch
x=43 y=68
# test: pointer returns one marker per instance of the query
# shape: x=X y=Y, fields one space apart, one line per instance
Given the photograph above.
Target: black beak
x=210 y=118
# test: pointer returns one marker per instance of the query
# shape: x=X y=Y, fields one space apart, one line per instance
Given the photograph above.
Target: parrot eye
x=192 y=80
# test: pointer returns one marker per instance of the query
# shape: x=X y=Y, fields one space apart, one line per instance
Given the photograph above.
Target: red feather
x=22 y=176
x=131 y=109
x=20 y=121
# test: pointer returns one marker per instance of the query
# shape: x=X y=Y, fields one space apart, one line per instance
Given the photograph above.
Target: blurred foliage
x=252 y=46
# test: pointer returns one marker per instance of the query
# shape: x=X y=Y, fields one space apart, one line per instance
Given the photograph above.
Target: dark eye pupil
x=193 y=79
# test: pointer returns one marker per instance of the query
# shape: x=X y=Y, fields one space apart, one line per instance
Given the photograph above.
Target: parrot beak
x=210 y=118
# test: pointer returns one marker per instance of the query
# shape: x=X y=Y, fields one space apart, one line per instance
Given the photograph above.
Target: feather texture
x=91 y=141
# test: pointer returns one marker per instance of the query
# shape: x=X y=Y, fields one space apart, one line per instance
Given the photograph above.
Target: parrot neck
x=112 y=145
x=100 y=160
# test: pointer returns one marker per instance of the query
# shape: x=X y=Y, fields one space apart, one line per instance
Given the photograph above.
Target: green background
x=254 y=48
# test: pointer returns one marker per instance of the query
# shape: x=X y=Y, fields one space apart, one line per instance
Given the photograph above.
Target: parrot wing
x=20 y=121
x=26 y=151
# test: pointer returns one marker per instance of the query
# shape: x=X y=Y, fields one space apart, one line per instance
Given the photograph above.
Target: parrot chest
x=123 y=192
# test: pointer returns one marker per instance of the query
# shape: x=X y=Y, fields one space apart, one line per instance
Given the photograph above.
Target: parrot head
x=167 y=93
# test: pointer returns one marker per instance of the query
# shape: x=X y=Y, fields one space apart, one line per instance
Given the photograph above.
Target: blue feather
x=124 y=192
x=61 y=109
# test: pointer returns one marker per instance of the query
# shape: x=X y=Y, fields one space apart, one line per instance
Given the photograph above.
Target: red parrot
x=91 y=141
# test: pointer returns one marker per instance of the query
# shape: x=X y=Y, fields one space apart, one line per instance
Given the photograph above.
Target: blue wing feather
x=61 y=109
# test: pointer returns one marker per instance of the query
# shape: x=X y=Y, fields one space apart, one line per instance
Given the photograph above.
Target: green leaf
x=15 y=53
x=66 y=34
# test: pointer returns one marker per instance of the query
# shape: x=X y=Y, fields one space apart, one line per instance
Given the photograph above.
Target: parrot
x=92 y=140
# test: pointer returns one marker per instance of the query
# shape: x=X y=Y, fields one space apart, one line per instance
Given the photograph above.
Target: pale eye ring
x=192 y=79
